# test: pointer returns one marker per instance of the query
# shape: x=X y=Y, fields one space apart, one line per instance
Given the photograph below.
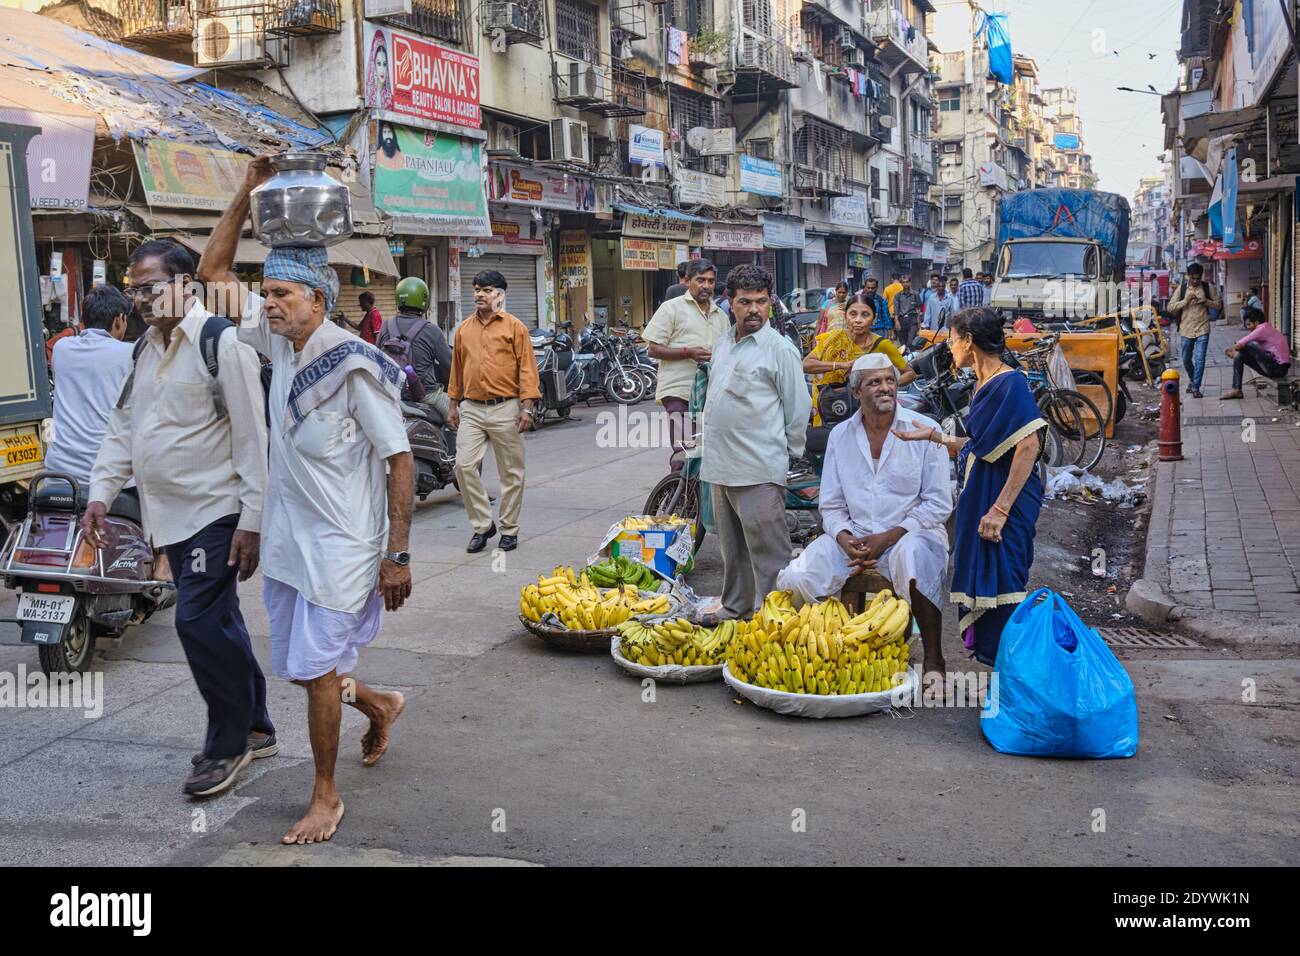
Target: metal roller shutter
x=521 y=277
x=384 y=289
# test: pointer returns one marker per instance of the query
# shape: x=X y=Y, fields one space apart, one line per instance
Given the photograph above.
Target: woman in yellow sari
x=835 y=352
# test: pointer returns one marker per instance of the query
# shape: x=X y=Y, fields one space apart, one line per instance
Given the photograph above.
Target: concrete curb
x=1149 y=601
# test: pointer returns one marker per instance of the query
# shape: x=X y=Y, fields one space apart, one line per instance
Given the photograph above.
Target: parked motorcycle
x=554 y=353
x=433 y=446
x=598 y=372
x=72 y=594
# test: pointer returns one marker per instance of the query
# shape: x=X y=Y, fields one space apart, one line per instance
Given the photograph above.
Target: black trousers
x=215 y=640
x=1258 y=358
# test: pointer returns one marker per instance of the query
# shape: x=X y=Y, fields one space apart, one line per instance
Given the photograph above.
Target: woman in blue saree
x=1001 y=496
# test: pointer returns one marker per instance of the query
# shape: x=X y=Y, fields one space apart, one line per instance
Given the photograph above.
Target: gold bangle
x=1001 y=511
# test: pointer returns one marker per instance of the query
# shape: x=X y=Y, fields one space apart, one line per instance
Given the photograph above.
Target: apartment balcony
x=921 y=150
x=763 y=64
x=598 y=87
x=148 y=22
x=628 y=17
x=813 y=182
x=900 y=42
x=316 y=17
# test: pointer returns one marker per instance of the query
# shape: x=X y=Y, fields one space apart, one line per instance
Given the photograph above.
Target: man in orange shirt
x=492 y=389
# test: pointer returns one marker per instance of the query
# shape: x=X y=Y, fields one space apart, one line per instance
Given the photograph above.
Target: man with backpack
x=411 y=340
x=195 y=442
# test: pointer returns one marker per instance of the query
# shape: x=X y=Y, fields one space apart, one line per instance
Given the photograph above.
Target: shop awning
x=365 y=251
x=661 y=213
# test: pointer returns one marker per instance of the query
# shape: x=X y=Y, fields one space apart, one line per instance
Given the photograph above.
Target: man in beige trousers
x=492 y=389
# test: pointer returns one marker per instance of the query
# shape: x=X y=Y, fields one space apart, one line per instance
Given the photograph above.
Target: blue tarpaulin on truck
x=1066 y=214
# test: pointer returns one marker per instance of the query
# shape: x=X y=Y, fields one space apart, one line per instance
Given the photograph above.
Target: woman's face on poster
x=381 y=68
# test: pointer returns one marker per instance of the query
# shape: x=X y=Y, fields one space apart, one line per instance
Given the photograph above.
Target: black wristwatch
x=402 y=558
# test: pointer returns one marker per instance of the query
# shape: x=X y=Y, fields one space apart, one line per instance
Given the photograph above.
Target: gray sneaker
x=262 y=745
x=212 y=776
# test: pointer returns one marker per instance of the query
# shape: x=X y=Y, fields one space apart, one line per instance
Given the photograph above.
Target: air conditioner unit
x=952 y=147
x=569 y=142
x=845 y=39
x=228 y=41
x=582 y=80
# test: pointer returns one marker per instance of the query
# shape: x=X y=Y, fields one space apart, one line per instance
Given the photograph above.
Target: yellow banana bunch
x=580 y=605
x=675 y=641
x=648 y=523
x=821 y=649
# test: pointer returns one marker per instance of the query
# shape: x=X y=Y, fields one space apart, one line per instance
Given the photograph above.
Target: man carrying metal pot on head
x=340 y=491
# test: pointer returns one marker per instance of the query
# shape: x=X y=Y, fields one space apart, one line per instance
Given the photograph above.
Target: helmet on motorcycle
x=413 y=293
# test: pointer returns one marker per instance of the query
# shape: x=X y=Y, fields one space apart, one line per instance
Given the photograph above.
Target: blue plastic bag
x=1060 y=692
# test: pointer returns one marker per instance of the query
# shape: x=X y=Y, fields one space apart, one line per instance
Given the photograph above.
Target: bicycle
x=681 y=492
x=1076 y=427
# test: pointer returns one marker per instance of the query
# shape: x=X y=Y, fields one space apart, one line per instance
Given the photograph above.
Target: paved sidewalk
x=1223 y=548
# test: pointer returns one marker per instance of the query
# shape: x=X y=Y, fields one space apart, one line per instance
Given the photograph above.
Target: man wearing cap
x=339 y=496
x=884 y=503
x=493 y=386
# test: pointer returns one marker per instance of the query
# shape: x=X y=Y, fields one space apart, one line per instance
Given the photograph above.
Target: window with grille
x=691 y=15
x=577 y=29
x=950 y=101
x=895 y=188
x=759 y=148
x=952 y=208
x=687 y=110
x=756 y=15
x=876 y=191
x=822 y=146
x=444 y=19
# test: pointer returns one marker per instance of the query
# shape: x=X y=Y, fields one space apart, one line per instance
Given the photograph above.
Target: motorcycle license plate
x=46 y=608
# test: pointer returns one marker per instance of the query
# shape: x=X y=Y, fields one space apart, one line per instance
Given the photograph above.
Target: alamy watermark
x=84 y=692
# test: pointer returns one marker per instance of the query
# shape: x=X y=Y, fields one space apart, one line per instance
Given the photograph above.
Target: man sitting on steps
x=1263 y=348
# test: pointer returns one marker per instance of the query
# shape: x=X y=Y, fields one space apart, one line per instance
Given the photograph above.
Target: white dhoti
x=823 y=567
x=309 y=641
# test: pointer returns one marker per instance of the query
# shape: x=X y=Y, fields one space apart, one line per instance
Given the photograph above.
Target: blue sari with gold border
x=990 y=578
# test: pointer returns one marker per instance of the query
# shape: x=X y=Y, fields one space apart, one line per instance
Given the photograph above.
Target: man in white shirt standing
x=884 y=503
x=683 y=332
x=755 y=420
x=340 y=494
x=196 y=447
x=90 y=368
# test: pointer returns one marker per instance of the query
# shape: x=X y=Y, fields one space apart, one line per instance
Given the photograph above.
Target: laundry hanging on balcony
x=994 y=28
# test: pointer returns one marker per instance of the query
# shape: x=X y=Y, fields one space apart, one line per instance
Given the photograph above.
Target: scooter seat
x=57 y=496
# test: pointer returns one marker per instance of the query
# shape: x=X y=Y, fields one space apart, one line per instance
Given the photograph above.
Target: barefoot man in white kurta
x=884 y=503
x=340 y=493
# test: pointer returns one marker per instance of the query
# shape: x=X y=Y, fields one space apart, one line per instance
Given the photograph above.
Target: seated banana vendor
x=884 y=503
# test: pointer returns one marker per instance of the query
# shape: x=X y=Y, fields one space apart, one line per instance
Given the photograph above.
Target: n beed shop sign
x=410 y=76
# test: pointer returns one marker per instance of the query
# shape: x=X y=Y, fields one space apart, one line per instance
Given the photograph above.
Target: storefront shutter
x=521 y=277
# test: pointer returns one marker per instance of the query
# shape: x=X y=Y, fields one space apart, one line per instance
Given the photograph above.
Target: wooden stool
x=855 y=591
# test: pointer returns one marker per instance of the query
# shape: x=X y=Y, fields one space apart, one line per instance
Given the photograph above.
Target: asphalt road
x=511 y=752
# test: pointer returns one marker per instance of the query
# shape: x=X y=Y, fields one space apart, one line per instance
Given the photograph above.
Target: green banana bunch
x=621 y=570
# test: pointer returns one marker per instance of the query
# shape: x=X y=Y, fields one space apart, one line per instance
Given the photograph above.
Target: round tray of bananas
x=820 y=662
x=672 y=649
x=569 y=612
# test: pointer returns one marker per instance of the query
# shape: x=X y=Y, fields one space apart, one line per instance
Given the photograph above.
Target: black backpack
x=209 y=338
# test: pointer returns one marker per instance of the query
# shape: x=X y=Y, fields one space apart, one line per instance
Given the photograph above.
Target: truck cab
x=24 y=376
x=1051 y=279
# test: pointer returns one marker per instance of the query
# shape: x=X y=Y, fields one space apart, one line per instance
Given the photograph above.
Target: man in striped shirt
x=970 y=294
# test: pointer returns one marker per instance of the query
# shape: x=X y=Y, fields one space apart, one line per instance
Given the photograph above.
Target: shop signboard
x=409 y=76
x=645 y=145
x=639 y=254
x=58 y=158
x=544 y=188
x=783 y=232
x=575 y=259
x=656 y=227
x=182 y=176
x=851 y=212
x=432 y=181
x=696 y=187
x=741 y=238
x=760 y=176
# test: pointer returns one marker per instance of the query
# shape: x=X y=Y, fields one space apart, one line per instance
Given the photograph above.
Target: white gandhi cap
x=872 y=360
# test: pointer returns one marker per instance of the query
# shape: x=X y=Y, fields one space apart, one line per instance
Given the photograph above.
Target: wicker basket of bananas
x=673 y=650
x=569 y=612
x=820 y=662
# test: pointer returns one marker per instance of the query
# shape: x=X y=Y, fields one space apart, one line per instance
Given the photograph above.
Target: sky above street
x=1095 y=46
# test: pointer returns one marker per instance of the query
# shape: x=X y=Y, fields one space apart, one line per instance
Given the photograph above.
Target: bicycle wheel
x=1078 y=423
x=678 y=495
x=1095 y=380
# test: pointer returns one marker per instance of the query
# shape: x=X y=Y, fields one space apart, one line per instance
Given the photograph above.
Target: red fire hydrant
x=1171 y=432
